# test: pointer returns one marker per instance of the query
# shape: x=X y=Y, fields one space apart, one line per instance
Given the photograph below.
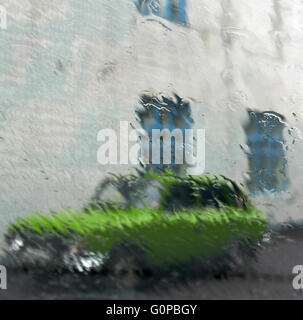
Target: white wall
x=72 y=67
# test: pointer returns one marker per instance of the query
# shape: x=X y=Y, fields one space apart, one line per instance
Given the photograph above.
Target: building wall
x=70 y=68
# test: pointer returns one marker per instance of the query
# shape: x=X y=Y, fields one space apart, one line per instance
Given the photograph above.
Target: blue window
x=266 y=156
x=172 y=10
x=165 y=113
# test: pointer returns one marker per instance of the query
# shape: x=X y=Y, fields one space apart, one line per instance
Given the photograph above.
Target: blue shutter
x=266 y=156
